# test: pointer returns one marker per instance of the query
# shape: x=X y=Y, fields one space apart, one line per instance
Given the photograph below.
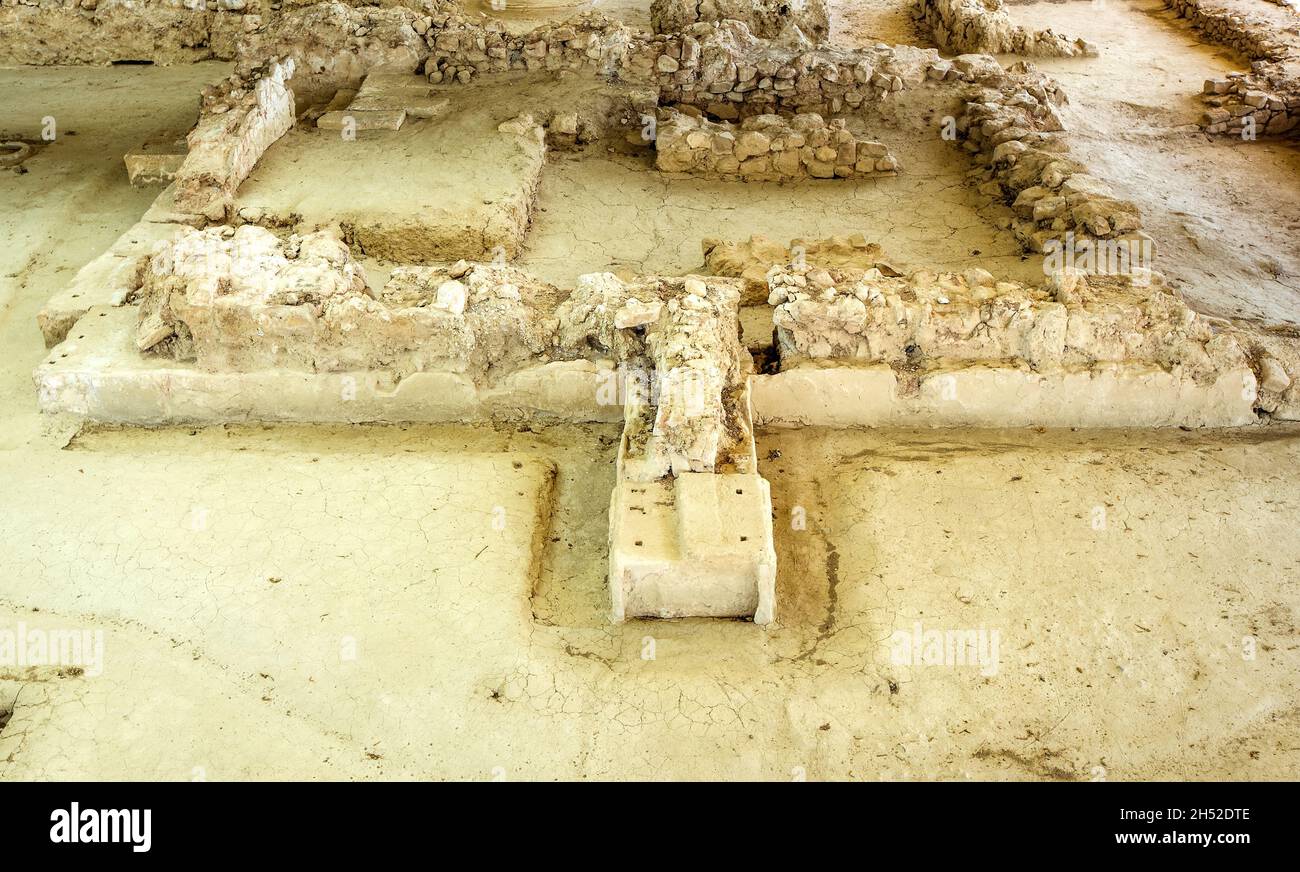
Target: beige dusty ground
x=1223 y=212
x=358 y=602
x=604 y=208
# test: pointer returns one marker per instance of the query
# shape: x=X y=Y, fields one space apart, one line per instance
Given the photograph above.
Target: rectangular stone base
x=694 y=545
x=98 y=374
x=1107 y=395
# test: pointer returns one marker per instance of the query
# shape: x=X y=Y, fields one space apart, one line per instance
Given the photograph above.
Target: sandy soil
x=1225 y=230
x=429 y=602
x=867 y=22
x=344 y=596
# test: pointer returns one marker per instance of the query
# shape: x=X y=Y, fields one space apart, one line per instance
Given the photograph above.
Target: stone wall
x=1265 y=101
x=1249 y=105
x=245 y=300
x=238 y=120
x=727 y=72
x=765 y=18
x=751 y=259
x=723 y=69
x=983 y=26
x=767 y=148
x=1129 y=340
x=1072 y=322
x=1252 y=36
x=1012 y=132
x=183 y=31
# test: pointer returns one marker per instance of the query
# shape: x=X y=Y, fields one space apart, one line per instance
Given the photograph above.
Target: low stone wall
x=752 y=258
x=243 y=300
x=105 y=31
x=721 y=68
x=1012 y=133
x=983 y=26
x=727 y=72
x=961 y=346
x=183 y=31
x=1248 y=105
x=261 y=327
x=238 y=121
x=1072 y=320
x=767 y=148
x=765 y=18
x=966 y=348
x=1252 y=36
x=464 y=48
x=1265 y=101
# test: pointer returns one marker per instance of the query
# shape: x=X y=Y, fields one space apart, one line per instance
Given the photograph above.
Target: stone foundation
x=245 y=300
x=861 y=349
x=1057 y=206
x=1248 y=106
x=983 y=26
x=1250 y=35
x=752 y=259
x=765 y=18
x=238 y=121
x=767 y=148
x=1263 y=102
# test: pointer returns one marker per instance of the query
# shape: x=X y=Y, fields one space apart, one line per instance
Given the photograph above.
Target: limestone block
x=693 y=545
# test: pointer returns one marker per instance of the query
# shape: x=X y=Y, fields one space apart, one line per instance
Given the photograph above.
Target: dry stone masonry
x=765 y=18
x=1013 y=132
x=984 y=26
x=1265 y=101
x=767 y=148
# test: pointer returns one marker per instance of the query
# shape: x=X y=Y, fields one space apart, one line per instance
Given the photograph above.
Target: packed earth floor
x=362 y=596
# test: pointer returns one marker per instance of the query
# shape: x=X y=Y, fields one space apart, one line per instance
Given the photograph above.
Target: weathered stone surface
x=685 y=368
x=1075 y=322
x=766 y=18
x=247 y=300
x=765 y=148
x=983 y=26
x=752 y=259
x=239 y=120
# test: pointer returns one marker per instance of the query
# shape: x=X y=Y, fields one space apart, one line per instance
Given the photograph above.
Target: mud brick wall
x=767 y=148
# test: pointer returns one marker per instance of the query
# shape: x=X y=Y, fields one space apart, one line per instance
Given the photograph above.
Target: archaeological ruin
x=633 y=389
